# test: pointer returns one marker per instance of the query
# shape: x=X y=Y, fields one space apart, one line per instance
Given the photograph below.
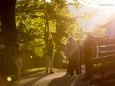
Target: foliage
x=37 y=21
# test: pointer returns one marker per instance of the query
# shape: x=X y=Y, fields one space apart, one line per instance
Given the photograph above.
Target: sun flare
x=104 y=9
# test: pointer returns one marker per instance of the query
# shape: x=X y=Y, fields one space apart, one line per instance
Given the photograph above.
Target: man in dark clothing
x=72 y=56
x=89 y=53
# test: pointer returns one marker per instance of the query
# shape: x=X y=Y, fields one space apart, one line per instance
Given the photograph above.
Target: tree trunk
x=7 y=12
x=8 y=33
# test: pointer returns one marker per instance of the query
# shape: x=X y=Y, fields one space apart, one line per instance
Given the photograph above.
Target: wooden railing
x=103 y=68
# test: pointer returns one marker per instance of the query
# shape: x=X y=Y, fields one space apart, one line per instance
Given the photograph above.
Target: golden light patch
x=39 y=51
x=9 y=79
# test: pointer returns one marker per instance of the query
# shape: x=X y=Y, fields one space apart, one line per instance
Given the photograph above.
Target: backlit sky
x=103 y=9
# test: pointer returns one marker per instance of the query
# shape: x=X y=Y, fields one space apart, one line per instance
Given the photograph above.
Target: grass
x=27 y=71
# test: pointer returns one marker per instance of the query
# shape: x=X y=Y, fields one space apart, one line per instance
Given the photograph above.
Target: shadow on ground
x=69 y=81
x=61 y=81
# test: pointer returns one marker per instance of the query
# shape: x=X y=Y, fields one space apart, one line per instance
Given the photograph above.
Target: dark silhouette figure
x=72 y=56
x=89 y=53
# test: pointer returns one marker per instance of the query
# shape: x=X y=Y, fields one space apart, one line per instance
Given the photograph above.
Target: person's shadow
x=61 y=81
x=69 y=80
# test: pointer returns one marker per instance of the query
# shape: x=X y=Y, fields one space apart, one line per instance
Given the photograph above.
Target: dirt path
x=57 y=79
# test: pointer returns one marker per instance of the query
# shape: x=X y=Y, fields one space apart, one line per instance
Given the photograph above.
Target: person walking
x=89 y=53
x=49 y=57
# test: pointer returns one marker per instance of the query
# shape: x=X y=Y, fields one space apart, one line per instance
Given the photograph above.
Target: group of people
x=78 y=53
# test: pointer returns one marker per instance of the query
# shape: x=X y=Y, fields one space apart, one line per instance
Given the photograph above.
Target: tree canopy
x=37 y=21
